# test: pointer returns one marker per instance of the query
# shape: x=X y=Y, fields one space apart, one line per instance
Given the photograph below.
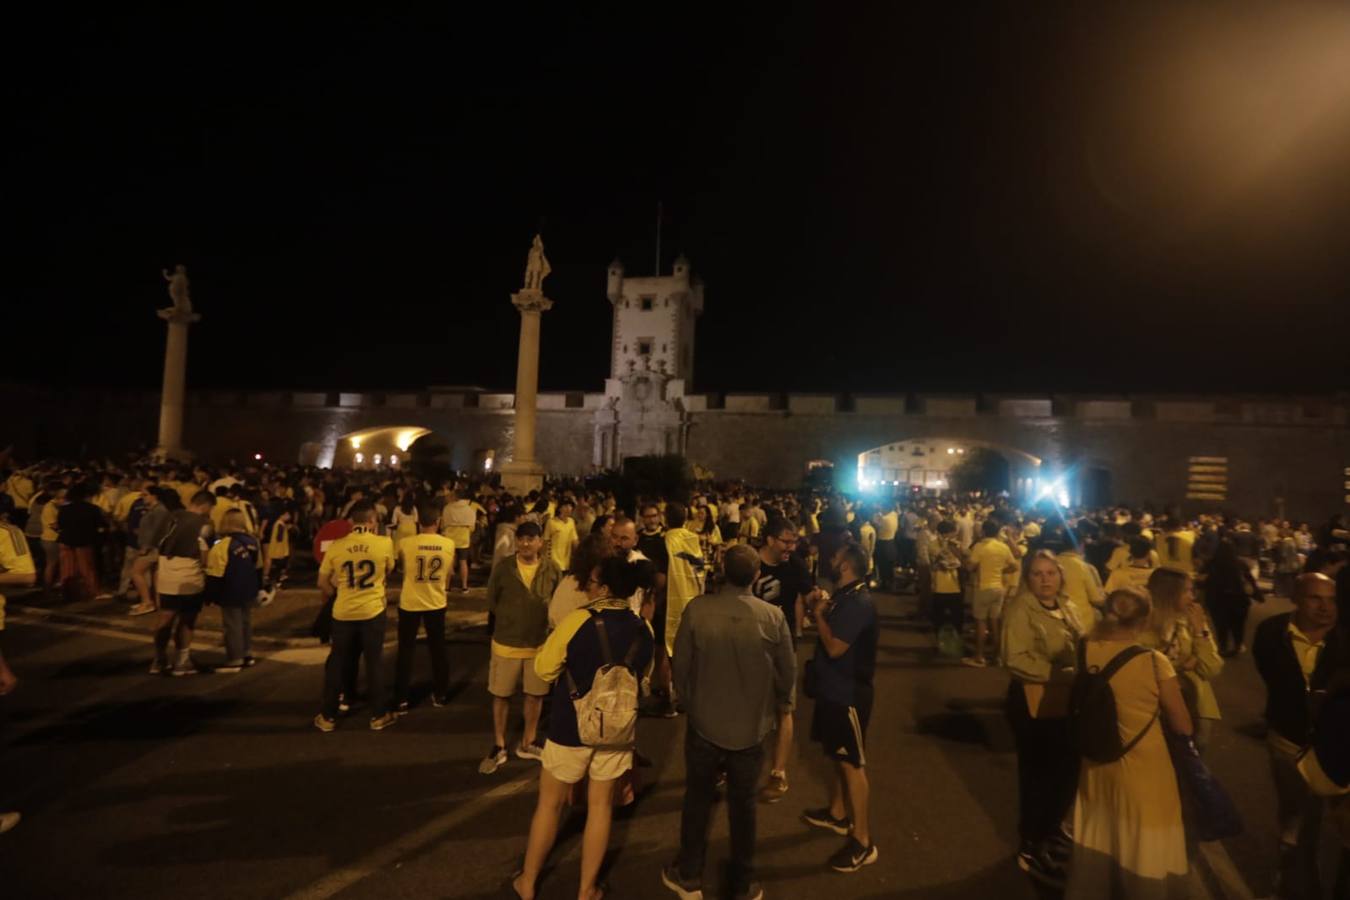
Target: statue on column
x=178 y=288
x=536 y=266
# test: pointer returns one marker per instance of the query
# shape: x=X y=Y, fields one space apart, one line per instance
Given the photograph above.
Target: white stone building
x=651 y=365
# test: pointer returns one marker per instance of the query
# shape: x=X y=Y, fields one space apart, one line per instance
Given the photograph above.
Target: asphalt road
x=217 y=786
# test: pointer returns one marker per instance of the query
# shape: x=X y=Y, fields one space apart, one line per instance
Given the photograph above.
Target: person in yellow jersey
x=1175 y=546
x=684 y=577
x=20 y=488
x=888 y=524
x=353 y=573
x=457 y=520
x=233 y=578
x=190 y=486
x=51 y=547
x=518 y=593
x=16 y=570
x=277 y=547
x=992 y=561
x=1120 y=557
x=1140 y=566
x=125 y=536
x=428 y=559
x=223 y=505
x=1082 y=581
x=867 y=539
x=560 y=535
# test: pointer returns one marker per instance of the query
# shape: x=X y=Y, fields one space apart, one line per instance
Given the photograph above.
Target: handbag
x=1207 y=811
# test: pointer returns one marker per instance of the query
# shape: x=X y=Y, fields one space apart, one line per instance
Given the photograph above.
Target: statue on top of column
x=178 y=288
x=536 y=266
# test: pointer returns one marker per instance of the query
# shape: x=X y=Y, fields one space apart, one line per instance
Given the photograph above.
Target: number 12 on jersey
x=429 y=568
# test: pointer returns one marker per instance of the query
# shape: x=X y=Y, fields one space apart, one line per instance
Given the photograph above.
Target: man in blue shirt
x=841 y=682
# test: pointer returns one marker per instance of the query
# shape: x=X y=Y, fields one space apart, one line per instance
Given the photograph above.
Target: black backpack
x=1092 y=708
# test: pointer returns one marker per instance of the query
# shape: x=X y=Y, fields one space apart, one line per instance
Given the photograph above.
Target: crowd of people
x=693 y=604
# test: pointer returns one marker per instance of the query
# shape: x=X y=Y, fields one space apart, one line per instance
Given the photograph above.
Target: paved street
x=217 y=786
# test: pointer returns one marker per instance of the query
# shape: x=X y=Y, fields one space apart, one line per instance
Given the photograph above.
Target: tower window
x=646 y=304
x=645 y=347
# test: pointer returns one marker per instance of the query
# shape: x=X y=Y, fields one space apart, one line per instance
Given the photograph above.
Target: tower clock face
x=642 y=389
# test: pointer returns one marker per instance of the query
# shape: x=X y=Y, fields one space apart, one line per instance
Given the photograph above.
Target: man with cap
x=518 y=592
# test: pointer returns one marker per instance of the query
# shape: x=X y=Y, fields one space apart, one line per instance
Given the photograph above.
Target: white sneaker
x=529 y=751
x=186 y=667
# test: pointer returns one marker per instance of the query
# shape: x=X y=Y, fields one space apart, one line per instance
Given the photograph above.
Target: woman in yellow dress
x=1129 y=843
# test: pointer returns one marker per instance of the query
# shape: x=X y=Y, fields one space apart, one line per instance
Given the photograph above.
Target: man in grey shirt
x=734 y=670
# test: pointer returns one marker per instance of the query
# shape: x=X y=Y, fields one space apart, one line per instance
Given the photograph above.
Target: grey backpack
x=607 y=714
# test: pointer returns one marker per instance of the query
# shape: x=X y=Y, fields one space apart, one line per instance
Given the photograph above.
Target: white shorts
x=571 y=764
x=987 y=604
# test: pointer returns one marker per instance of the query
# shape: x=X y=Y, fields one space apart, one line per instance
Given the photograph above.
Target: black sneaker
x=821 y=818
x=853 y=856
x=1042 y=868
x=439 y=701
x=343 y=706
x=691 y=889
x=752 y=891
x=401 y=708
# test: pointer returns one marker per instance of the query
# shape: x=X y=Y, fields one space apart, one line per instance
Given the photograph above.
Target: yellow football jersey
x=428 y=560
x=358 y=565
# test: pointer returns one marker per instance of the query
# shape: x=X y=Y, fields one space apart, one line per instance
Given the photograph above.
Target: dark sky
x=1001 y=197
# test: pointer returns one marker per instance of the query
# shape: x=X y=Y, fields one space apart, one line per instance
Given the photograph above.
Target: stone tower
x=651 y=364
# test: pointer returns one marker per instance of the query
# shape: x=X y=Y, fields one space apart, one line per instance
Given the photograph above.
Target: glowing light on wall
x=360 y=458
x=406 y=437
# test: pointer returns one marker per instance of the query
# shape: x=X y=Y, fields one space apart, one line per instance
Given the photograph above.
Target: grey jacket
x=734 y=667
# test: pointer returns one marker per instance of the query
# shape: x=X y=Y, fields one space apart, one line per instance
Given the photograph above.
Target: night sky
x=1003 y=198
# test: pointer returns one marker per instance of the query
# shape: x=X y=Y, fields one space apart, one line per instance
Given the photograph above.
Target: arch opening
x=387 y=446
x=927 y=465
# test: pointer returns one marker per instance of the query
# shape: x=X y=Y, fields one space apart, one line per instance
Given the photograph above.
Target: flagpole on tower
x=658 y=239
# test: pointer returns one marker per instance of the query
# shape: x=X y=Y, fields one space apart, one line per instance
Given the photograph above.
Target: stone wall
x=1295 y=448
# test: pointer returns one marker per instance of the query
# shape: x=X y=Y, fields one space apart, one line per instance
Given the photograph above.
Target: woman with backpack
x=603 y=639
x=1128 y=839
x=1040 y=635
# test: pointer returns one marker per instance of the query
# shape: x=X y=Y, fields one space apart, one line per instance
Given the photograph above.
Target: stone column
x=175 y=383
x=523 y=473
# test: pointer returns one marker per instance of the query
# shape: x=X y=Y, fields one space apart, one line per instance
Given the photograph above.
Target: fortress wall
x=1297 y=448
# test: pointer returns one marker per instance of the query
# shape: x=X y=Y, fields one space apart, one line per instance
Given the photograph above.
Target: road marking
x=301 y=656
x=410 y=843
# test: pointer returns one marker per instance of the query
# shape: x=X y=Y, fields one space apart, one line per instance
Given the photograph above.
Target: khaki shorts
x=987 y=604
x=506 y=674
x=571 y=764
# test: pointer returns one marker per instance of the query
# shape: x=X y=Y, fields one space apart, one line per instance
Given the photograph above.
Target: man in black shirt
x=784 y=581
x=79 y=523
x=651 y=543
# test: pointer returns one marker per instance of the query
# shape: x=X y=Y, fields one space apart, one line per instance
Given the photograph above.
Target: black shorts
x=841 y=730
x=277 y=568
x=186 y=604
x=461 y=555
